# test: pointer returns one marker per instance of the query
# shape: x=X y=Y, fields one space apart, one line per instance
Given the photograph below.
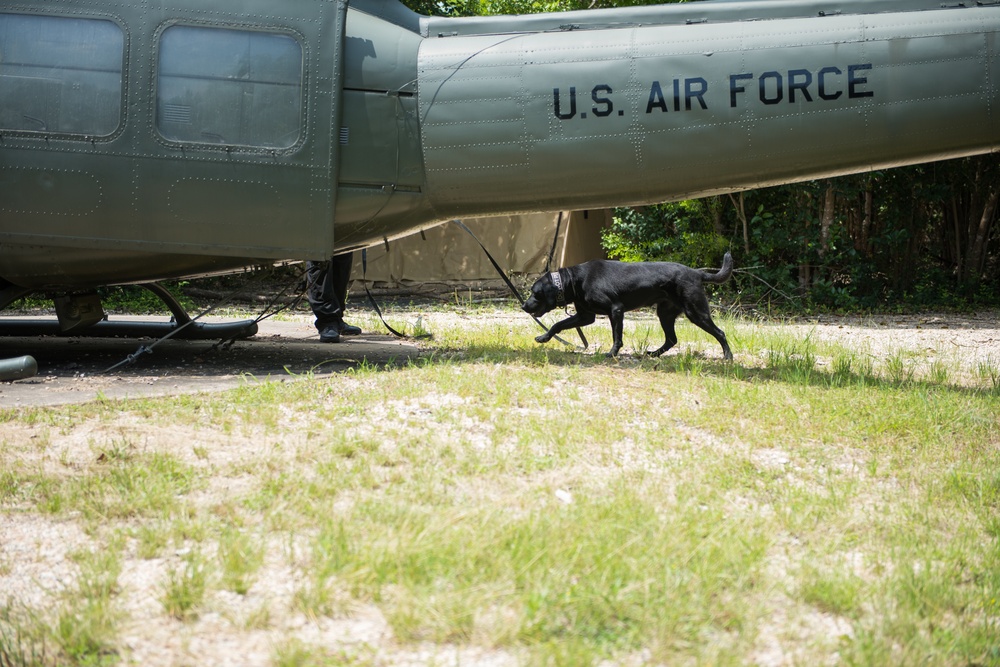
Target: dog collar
x=557 y=281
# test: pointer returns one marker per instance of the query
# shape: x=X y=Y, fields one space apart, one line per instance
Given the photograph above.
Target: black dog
x=602 y=287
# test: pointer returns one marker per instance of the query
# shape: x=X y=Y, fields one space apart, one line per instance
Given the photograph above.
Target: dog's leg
x=698 y=313
x=617 y=318
x=667 y=313
x=580 y=319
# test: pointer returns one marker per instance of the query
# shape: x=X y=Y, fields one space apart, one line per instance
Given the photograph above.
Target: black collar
x=558 y=282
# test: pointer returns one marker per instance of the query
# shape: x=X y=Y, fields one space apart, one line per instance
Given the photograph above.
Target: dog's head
x=546 y=295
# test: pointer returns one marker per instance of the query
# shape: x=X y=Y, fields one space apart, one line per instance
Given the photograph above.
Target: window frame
x=120 y=117
x=230 y=147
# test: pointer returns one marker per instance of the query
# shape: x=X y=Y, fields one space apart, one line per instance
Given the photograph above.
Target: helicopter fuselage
x=141 y=141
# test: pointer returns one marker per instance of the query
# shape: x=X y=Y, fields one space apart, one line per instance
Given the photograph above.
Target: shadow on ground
x=75 y=370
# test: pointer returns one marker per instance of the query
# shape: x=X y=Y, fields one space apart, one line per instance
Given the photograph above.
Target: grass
x=500 y=499
x=184 y=591
x=240 y=557
x=86 y=626
x=84 y=618
x=116 y=488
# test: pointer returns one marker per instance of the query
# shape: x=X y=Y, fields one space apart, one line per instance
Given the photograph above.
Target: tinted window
x=60 y=75
x=231 y=87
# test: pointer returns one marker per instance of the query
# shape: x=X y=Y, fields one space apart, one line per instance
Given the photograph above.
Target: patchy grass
x=504 y=502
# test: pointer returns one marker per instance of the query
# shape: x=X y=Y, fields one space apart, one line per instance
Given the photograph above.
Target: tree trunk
x=742 y=215
x=827 y=220
x=717 y=208
x=975 y=258
x=960 y=269
x=866 y=221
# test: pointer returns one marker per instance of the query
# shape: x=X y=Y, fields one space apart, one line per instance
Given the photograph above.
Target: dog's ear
x=541 y=281
x=548 y=283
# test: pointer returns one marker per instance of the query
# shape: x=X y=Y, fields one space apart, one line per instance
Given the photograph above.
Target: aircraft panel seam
x=705 y=45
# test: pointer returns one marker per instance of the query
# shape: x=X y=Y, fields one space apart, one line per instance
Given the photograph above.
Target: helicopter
x=144 y=141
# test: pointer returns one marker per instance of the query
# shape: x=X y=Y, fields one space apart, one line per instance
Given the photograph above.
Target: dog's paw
x=544 y=338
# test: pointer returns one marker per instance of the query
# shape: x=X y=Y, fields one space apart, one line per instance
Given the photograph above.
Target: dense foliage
x=922 y=236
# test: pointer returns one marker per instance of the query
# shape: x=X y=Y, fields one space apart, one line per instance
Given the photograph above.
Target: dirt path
x=969 y=338
x=73 y=370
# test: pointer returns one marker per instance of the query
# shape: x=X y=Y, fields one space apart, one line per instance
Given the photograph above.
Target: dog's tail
x=722 y=275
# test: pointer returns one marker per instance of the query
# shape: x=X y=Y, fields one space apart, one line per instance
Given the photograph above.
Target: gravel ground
x=963 y=341
x=34 y=548
x=73 y=370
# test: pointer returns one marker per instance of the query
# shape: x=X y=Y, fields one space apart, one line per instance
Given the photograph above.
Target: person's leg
x=321 y=293
x=340 y=272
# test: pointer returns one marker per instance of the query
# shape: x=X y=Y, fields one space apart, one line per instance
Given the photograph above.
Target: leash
x=513 y=289
x=555 y=241
x=227 y=343
x=374 y=304
x=224 y=343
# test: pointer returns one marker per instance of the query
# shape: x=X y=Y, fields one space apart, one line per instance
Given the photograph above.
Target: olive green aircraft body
x=149 y=139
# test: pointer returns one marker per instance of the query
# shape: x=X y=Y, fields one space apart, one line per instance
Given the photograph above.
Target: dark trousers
x=326 y=288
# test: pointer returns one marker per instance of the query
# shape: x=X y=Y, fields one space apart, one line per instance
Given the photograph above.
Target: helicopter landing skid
x=18 y=368
x=180 y=326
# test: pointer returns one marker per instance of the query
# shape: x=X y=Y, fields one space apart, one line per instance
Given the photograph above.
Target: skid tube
x=18 y=368
x=181 y=326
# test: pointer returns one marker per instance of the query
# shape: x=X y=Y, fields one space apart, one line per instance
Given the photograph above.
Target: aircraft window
x=229 y=87
x=60 y=75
